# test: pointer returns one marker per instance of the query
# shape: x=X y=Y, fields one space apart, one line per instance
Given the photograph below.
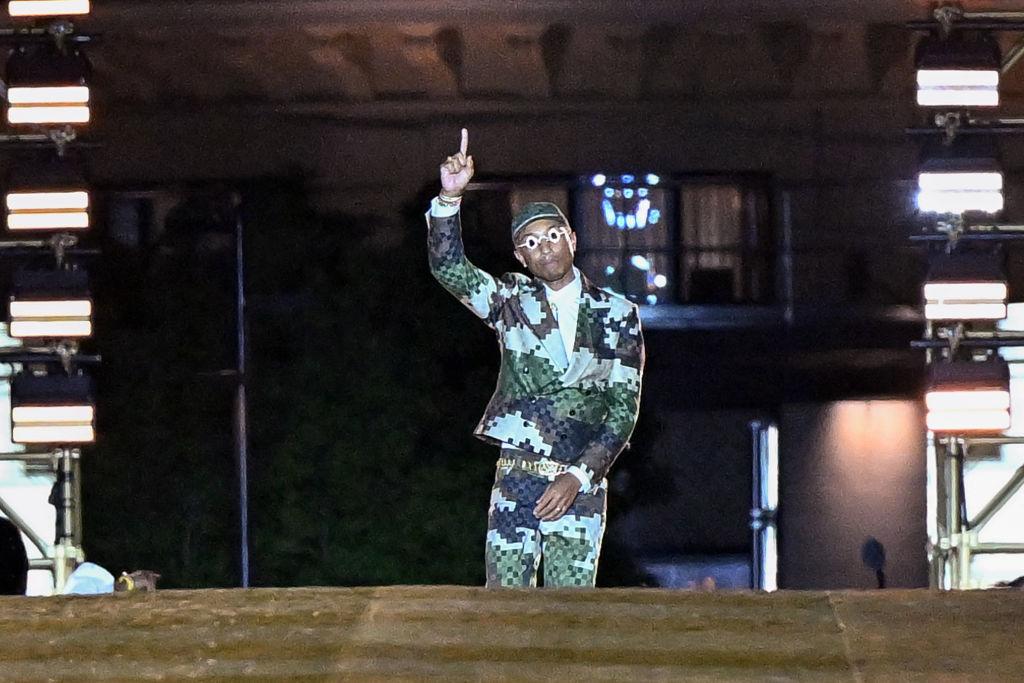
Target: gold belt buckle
x=541 y=467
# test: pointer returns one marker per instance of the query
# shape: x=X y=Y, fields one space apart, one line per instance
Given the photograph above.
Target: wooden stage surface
x=460 y=633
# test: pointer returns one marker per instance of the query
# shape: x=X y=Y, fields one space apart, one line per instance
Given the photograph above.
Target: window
x=689 y=240
x=624 y=237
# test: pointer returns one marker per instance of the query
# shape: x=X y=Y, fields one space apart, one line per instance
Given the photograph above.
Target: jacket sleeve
x=622 y=396
x=477 y=289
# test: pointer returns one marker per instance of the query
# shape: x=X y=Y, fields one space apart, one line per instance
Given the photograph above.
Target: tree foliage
x=365 y=382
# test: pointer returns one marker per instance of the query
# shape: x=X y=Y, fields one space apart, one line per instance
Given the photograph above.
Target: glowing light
x=76 y=94
x=47 y=201
x=965 y=291
x=965 y=300
x=959 y=181
x=652 y=299
x=968 y=400
x=959 y=202
x=47 y=8
x=968 y=421
x=61 y=220
x=609 y=212
x=660 y=281
x=53 y=424
x=642 y=210
x=51 y=309
x=976 y=311
x=627 y=193
x=958 y=87
x=62 y=114
x=620 y=222
x=609 y=270
x=52 y=414
x=654 y=216
x=598 y=180
x=642 y=192
x=52 y=319
x=628 y=179
x=640 y=262
x=652 y=179
x=630 y=221
x=609 y=192
x=54 y=434
x=957 y=192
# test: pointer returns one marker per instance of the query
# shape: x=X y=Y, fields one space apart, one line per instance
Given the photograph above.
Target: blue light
x=609 y=270
x=598 y=179
x=642 y=210
x=630 y=221
x=627 y=193
x=620 y=222
x=609 y=212
x=628 y=179
x=642 y=192
x=654 y=216
x=640 y=262
x=609 y=192
x=653 y=179
x=651 y=299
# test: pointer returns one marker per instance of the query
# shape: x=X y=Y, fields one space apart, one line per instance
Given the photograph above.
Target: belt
x=544 y=468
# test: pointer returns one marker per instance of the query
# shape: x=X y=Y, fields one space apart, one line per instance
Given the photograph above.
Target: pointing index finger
x=465 y=141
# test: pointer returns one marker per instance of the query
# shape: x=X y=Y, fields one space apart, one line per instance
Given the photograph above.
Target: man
x=568 y=392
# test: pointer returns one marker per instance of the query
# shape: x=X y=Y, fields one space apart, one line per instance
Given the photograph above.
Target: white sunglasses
x=553 y=235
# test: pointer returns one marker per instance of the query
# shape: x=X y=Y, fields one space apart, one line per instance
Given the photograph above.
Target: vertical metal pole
x=241 y=407
x=66 y=553
x=954 y=463
x=757 y=503
x=936 y=522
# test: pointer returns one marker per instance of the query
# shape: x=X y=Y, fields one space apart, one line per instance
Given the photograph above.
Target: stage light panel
x=966 y=287
x=52 y=409
x=48 y=8
x=966 y=397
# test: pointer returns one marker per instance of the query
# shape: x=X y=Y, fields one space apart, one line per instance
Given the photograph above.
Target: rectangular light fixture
x=961 y=177
x=46 y=195
x=48 y=210
x=966 y=397
x=48 y=104
x=50 y=305
x=47 y=8
x=958 y=71
x=957 y=192
x=965 y=287
x=50 y=318
x=47 y=86
x=52 y=409
x=958 y=87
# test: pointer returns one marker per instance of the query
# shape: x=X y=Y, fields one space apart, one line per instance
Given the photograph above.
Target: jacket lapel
x=541 y=320
x=589 y=328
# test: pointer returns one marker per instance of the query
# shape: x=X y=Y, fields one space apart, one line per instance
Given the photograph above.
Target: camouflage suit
x=580 y=415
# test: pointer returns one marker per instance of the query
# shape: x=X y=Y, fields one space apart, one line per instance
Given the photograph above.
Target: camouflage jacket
x=581 y=415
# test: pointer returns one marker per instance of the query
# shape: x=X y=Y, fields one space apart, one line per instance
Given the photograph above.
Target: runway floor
x=460 y=633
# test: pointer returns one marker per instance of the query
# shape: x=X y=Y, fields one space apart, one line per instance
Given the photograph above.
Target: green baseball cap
x=534 y=211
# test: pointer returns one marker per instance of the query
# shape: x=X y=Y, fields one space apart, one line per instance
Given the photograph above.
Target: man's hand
x=557 y=497
x=457 y=170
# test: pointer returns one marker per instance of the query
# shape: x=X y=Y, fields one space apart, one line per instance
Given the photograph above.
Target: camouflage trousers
x=517 y=541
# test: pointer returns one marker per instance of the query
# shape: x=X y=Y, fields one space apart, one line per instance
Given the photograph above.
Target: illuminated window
x=660 y=241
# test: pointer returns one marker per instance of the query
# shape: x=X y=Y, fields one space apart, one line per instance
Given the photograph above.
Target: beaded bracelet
x=449 y=201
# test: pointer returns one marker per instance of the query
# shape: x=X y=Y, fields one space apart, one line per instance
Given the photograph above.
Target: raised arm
x=475 y=288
